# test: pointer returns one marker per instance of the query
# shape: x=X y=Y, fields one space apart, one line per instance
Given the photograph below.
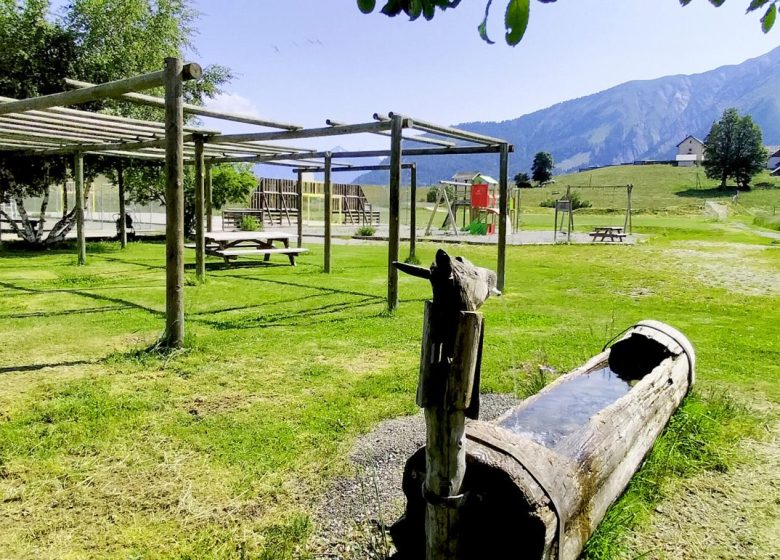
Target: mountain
x=637 y=120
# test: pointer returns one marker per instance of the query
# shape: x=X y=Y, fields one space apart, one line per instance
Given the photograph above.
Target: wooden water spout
x=539 y=479
x=449 y=392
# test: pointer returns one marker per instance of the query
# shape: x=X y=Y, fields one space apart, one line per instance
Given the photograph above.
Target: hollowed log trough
x=539 y=479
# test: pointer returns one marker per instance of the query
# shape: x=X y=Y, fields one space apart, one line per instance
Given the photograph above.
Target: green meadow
x=223 y=450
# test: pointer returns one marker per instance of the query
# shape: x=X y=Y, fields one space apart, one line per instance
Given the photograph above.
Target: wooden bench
x=229 y=254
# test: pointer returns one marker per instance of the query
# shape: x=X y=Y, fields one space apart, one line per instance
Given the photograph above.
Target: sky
x=304 y=61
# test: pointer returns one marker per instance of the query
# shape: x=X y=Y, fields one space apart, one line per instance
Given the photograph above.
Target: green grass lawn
x=220 y=451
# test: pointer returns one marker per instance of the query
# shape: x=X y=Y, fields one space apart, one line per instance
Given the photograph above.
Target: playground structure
x=566 y=206
x=476 y=202
x=275 y=202
x=43 y=126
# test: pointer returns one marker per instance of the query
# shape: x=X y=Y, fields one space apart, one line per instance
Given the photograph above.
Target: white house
x=774 y=158
x=690 y=152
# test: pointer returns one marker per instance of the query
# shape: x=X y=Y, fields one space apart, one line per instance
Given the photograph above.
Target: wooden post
x=78 y=176
x=395 y=192
x=200 y=241
x=328 y=210
x=207 y=194
x=413 y=214
x=448 y=367
x=627 y=225
x=174 y=205
x=299 y=192
x=120 y=180
x=503 y=193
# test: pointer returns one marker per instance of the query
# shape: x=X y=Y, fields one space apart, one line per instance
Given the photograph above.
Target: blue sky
x=304 y=61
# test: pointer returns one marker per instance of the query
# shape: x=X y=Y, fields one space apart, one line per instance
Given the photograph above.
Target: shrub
x=249 y=223
x=576 y=201
x=769 y=221
x=366 y=231
x=433 y=191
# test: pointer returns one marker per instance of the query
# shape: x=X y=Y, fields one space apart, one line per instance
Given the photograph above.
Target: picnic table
x=608 y=233
x=232 y=244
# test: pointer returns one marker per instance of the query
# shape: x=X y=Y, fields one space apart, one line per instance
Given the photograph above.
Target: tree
x=522 y=181
x=734 y=148
x=96 y=41
x=541 y=168
x=518 y=13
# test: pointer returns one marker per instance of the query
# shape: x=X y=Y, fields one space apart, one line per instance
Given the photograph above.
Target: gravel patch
x=355 y=507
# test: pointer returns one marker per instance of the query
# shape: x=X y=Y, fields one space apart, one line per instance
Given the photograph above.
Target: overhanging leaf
x=756 y=4
x=516 y=20
x=366 y=6
x=483 y=26
x=717 y=3
x=769 y=18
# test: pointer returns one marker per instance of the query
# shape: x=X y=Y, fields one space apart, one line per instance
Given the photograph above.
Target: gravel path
x=354 y=507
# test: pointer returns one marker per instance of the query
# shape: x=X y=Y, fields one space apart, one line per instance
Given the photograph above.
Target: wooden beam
x=299 y=193
x=411 y=152
x=209 y=202
x=413 y=215
x=503 y=203
x=116 y=88
x=200 y=240
x=395 y=191
x=78 y=176
x=452 y=132
x=108 y=146
x=302 y=133
x=120 y=180
x=190 y=109
x=328 y=211
x=174 y=204
x=433 y=141
x=377 y=167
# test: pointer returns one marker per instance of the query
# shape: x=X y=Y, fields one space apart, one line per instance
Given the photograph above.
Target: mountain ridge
x=635 y=120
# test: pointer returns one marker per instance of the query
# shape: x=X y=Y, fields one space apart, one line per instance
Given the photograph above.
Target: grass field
x=224 y=449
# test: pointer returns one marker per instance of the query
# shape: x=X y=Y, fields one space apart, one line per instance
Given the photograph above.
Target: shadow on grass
x=36 y=367
x=65 y=312
x=715 y=192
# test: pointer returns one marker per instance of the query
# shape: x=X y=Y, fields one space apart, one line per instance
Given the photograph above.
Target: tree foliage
x=145 y=183
x=517 y=13
x=734 y=148
x=542 y=166
x=522 y=181
x=92 y=40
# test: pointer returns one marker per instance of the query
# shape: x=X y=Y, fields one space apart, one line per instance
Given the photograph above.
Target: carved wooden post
x=120 y=183
x=449 y=389
x=78 y=176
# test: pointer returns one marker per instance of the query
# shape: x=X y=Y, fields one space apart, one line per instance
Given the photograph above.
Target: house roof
x=691 y=136
x=486 y=178
x=774 y=151
x=464 y=175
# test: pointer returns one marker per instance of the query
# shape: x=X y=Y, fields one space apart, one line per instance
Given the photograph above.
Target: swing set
x=566 y=205
x=479 y=205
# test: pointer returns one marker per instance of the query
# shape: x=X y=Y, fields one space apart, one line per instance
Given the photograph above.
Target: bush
x=576 y=201
x=249 y=223
x=433 y=191
x=366 y=231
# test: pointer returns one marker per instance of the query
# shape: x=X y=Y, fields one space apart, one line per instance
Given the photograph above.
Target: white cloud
x=233 y=103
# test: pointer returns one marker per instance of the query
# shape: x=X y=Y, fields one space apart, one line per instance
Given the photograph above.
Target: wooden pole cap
x=192 y=71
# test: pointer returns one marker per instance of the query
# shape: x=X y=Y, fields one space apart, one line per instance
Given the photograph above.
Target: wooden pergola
x=44 y=126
